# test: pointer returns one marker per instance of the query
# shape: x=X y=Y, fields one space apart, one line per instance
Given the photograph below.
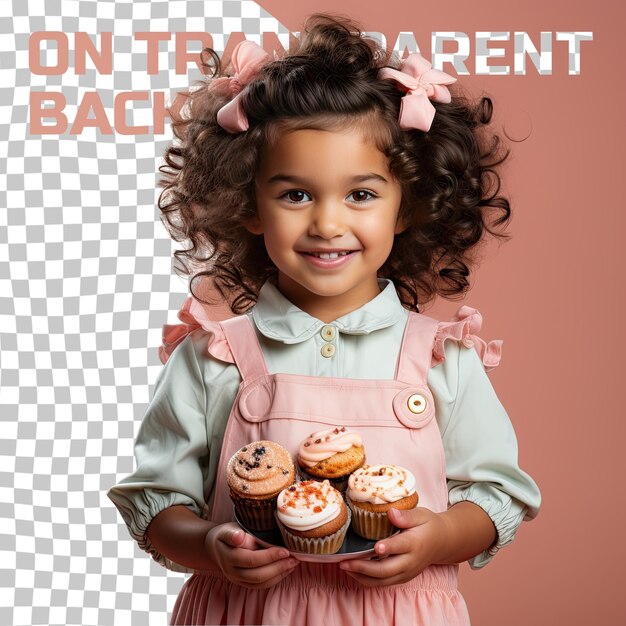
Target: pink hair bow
x=248 y=58
x=422 y=84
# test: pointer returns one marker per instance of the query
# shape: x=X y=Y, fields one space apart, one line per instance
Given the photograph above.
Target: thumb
x=406 y=518
x=235 y=538
x=238 y=538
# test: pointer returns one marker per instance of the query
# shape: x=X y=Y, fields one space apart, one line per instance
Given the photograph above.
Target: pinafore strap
x=244 y=346
x=416 y=349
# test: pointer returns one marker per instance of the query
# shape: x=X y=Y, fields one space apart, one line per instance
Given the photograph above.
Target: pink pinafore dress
x=396 y=420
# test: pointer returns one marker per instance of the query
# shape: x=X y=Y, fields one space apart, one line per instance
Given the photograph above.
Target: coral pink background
x=553 y=294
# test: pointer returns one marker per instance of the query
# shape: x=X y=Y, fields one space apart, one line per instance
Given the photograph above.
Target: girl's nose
x=328 y=220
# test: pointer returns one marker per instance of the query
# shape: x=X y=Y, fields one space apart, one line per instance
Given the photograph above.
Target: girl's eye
x=294 y=196
x=362 y=195
x=297 y=196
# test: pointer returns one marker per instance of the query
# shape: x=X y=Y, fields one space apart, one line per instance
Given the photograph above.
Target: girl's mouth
x=329 y=255
x=328 y=259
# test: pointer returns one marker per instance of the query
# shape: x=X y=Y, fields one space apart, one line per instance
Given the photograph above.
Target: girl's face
x=322 y=193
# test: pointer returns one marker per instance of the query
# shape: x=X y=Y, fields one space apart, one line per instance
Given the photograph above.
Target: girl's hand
x=243 y=562
x=409 y=552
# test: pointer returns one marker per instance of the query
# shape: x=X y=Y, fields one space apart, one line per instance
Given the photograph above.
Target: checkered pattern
x=85 y=286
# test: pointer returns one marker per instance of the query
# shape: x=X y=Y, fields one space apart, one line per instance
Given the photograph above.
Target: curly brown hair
x=329 y=81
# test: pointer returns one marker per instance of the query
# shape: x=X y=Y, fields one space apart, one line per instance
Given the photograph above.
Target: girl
x=326 y=194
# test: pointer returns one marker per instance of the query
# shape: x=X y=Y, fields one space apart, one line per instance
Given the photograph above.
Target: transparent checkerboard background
x=85 y=286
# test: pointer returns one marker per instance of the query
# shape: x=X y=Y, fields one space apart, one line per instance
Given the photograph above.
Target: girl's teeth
x=329 y=255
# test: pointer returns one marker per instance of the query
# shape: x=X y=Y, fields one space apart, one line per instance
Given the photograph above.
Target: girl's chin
x=306 y=291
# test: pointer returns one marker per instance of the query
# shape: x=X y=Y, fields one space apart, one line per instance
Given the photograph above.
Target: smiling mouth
x=329 y=255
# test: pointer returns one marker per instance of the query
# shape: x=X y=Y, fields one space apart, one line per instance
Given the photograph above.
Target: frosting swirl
x=379 y=484
x=260 y=468
x=322 y=444
x=308 y=505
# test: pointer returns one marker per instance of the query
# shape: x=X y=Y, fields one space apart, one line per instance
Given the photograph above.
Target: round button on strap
x=414 y=406
x=416 y=403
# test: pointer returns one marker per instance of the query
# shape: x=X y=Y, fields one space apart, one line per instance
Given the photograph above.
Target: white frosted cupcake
x=312 y=517
x=372 y=491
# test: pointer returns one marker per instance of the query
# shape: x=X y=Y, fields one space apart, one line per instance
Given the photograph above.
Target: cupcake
x=331 y=455
x=312 y=517
x=256 y=474
x=372 y=491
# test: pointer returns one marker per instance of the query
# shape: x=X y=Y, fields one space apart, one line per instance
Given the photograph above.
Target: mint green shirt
x=179 y=441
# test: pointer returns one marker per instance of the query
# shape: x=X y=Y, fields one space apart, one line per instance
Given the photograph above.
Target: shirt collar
x=278 y=318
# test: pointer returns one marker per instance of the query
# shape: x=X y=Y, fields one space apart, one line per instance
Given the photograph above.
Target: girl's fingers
x=398 y=544
x=248 y=542
x=258 y=558
x=270 y=582
x=234 y=536
x=262 y=575
x=409 y=518
x=375 y=569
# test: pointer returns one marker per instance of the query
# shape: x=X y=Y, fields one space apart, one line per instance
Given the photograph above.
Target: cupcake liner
x=368 y=524
x=255 y=514
x=314 y=545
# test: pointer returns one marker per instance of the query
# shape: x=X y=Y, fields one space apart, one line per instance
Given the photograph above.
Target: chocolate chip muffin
x=256 y=474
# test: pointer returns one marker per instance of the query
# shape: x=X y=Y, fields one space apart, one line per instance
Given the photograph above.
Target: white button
x=416 y=403
x=328 y=350
x=328 y=332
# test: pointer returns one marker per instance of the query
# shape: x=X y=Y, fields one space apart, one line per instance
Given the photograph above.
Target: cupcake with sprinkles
x=256 y=474
x=332 y=455
x=372 y=491
x=312 y=517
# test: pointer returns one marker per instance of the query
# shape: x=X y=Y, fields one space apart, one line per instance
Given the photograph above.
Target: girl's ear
x=401 y=226
x=253 y=225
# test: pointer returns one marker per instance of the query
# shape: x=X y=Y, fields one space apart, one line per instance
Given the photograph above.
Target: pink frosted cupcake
x=312 y=517
x=372 y=491
x=332 y=455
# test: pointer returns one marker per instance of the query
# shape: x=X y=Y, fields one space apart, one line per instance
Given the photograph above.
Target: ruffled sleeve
x=479 y=441
x=463 y=328
x=177 y=445
x=193 y=316
x=171 y=451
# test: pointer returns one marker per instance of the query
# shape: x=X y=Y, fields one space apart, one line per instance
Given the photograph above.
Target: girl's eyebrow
x=297 y=180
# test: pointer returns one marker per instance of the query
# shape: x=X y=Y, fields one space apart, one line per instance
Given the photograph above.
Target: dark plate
x=353 y=547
